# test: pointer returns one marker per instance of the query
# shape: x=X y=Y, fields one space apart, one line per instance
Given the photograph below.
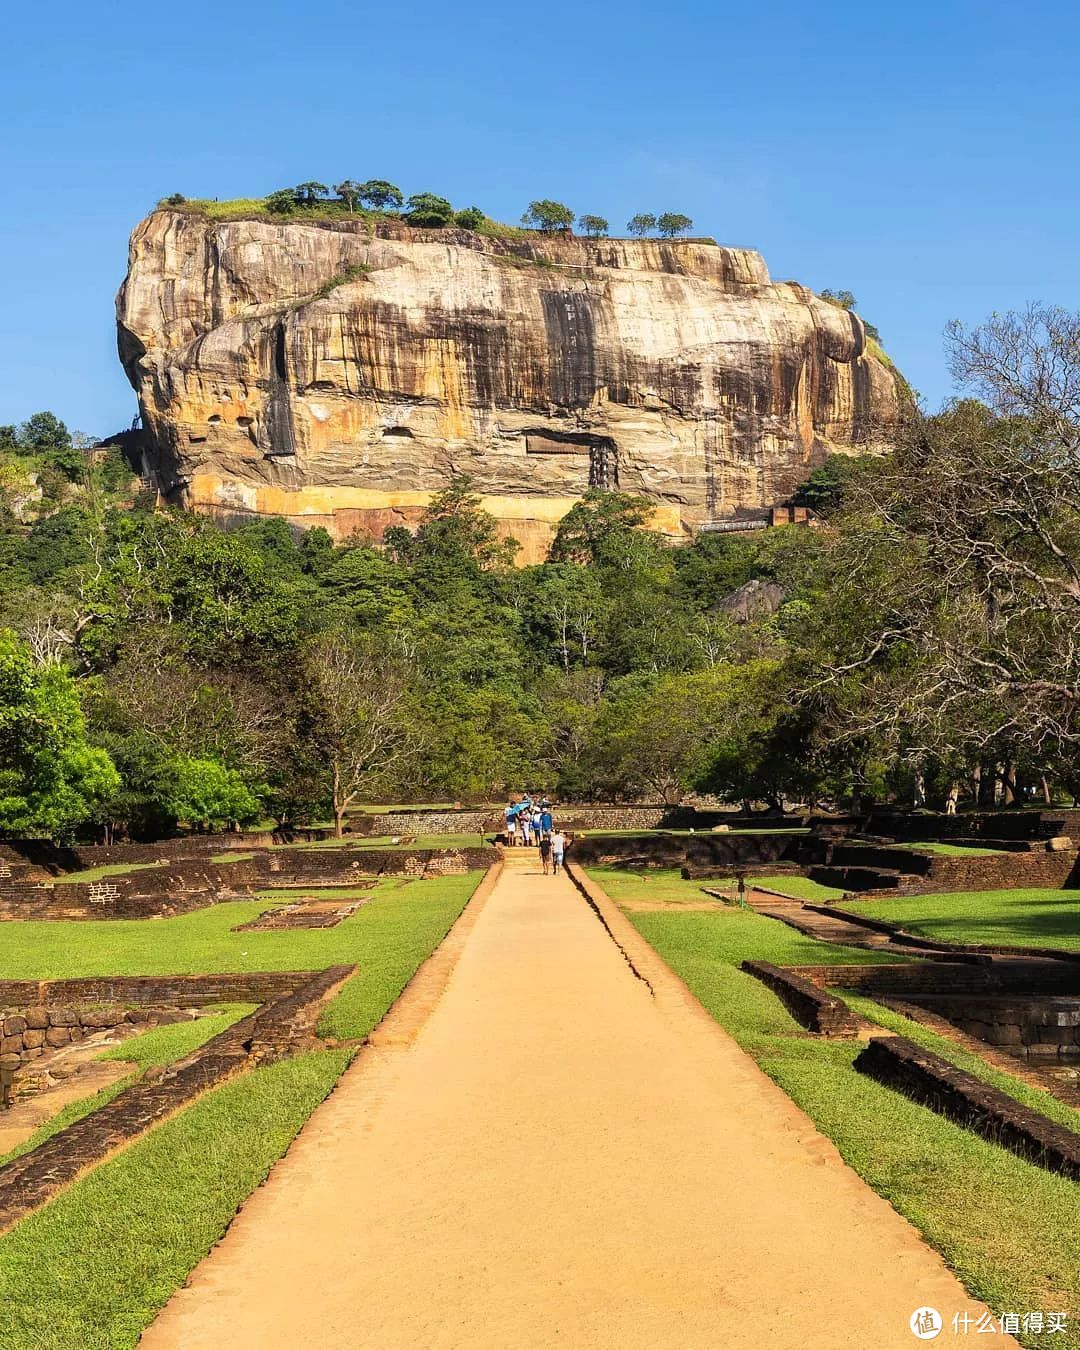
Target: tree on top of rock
x=641 y=224
x=594 y=226
x=380 y=195
x=428 y=211
x=349 y=192
x=310 y=192
x=672 y=223
x=548 y=216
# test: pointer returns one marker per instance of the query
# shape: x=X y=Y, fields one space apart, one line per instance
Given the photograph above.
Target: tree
x=380 y=195
x=309 y=193
x=641 y=224
x=470 y=219
x=548 y=216
x=363 y=715
x=175 y=199
x=349 y=192
x=206 y=794
x=50 y=776
x=282 y=202
x=600 y=528
x=426 y=211
x=844 y=299
x=45 y=435
x=594 y=226
x=672 y=223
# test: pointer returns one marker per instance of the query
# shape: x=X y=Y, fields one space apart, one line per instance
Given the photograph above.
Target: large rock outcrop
x=338 y=373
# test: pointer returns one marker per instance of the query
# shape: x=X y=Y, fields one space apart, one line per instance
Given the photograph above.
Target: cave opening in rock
x=398 y=431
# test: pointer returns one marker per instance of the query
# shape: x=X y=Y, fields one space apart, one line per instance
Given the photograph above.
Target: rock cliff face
x=339 y=374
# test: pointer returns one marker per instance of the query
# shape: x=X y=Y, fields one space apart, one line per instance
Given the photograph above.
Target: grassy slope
x=1019 y=918
x=89 y=1270
x=1009 y=1228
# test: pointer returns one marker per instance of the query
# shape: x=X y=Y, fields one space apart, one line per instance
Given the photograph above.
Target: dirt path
x=559 y=1156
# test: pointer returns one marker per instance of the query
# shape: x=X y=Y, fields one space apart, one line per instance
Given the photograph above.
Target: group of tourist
x=531 y=823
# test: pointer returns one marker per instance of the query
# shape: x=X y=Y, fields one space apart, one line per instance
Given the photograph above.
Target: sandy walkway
x=560 y=1157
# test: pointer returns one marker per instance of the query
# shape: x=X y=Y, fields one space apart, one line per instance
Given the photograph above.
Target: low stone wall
x=925 y=1077
x=174 y=991
x=701 y=855
x=1039 y=1027
x=820 y=1013
x=981 y=872
x=959 y=974
x=32 y=1032
x=186 y=886
x=276 y=1029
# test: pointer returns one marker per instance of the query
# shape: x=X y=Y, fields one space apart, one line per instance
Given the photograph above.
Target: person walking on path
x=558 y=851
x=545 y=853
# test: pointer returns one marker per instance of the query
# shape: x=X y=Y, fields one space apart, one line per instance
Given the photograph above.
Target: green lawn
x=950 y=850
x=159 y=1045
x=90 y=1269
x=1007 y=1227
x=386 y=937
x=1017 y=918
x=107 y=870
x=801 y=888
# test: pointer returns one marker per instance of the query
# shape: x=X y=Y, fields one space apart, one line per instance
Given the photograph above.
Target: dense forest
x=919 y=641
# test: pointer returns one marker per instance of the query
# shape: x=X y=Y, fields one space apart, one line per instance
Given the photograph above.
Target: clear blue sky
x=922 y=155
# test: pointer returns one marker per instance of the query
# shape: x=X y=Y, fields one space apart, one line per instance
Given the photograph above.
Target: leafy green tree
x=380 y=195
x=672 y=223
x=594 y=226
x=642 y=224
x=175 y=199
x=600 y=528
x=309 y=193
x=427 y=211
x=46 y=436
x=470 y=219
x=206 y=794
x=51 y=778
x=282 y=202
x=349 y=192
x=548 y=216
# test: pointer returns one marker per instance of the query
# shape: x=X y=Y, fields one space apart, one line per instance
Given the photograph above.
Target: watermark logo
x=925 y=1323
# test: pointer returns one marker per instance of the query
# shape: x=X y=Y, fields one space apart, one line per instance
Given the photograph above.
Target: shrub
x=427 y=211
x=470 y=219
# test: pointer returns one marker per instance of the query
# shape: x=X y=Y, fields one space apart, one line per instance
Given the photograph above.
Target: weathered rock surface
x=541 y=366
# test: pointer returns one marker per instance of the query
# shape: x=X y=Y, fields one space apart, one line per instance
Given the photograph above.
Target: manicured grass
x=107 y=870
x=1007 y=1227
x=1015 y=918
x=167 y=1044
x=951 y=850
x=160 y=1045
x=800 y=888
x=1043 y=1102
x=90 y=1270
x=387 y=938
x=231 y=857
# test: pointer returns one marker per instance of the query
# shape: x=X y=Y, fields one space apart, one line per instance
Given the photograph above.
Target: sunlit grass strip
x=91 y=1269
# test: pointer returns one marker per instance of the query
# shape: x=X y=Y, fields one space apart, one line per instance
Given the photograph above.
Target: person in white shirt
x=558 y=851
